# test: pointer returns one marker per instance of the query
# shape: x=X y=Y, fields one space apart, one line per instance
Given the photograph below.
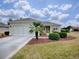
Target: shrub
x=55 y=32
x=7 y=33
x=54 y=36
x=64 y=30
x=63 y=34
x=31 y=31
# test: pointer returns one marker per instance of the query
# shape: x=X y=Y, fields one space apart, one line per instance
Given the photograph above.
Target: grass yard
x=53 y=50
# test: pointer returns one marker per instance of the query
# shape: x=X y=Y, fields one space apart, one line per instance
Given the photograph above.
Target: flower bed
x=46 y=40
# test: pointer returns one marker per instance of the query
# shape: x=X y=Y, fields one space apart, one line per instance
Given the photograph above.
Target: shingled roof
x=24 y=19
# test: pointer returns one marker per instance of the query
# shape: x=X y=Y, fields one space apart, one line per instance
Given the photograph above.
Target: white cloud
x=77 y=16
x=61 y=7
x=55 y=15
x=65 y=6
x=4 y=12
x=37 y=12
x=22 y=8
x=25 y=6
x=11 y=13
x=22 y=4
x=52 y=6
x=9 y=1
x=73 y=23
x=61 y=16
x=45 y=11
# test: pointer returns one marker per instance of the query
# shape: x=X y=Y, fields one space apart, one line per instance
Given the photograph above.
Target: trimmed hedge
x=55 y=32
x=63 y=34
x=54 y=36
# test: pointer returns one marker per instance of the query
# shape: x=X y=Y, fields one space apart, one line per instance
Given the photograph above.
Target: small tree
x=36 y=27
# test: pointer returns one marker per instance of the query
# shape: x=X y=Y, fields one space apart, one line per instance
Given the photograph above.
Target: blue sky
x=65 y=12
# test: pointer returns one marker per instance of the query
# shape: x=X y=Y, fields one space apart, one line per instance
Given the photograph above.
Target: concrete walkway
x=10 y=45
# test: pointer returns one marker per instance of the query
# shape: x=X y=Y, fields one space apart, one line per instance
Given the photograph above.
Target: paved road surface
x=10 y=44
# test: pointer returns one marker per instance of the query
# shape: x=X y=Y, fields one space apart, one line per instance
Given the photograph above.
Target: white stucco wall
x=58 y=28
x=55 y=26
x=21 y=28
x=52 y=26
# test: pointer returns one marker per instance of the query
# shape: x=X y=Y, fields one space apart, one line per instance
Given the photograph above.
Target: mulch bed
x=39 y=41
x=46 y=40
x=3 y=36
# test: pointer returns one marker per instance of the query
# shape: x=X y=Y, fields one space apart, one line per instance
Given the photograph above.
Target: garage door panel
x=20 y=29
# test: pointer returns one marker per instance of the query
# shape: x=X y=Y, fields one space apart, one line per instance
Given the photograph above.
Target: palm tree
x=36 y=27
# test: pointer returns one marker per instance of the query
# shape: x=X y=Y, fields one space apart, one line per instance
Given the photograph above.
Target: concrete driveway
x=10 y=45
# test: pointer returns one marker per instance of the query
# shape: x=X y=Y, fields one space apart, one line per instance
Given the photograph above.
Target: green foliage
x=54 y=36
x=31 y=31
x=69 y=27
x=36 y=27
x=63 y=34
x=55 y=32
x=36 y=24
x=64 y=30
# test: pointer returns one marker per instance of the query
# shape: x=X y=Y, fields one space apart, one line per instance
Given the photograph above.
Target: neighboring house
x=75 y=28
x=72 y=28
x=22 y=26
x=3 y=27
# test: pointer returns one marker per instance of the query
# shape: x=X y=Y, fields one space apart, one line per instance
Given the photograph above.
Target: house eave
x=32 y=19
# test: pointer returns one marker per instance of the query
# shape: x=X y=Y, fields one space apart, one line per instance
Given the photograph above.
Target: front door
x=47 y=29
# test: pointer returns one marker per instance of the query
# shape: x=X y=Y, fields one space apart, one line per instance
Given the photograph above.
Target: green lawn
x=54 y=50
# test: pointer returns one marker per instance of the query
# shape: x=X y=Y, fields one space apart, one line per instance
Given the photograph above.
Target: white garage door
x=20 y=29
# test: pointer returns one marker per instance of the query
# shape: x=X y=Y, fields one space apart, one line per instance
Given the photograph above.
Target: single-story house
x=75 y=28
x=22 y=26
x=3 y=27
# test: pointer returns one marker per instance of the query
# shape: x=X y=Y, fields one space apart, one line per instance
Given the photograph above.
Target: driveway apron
x=10 y=44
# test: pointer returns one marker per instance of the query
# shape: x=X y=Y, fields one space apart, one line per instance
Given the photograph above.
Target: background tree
x=69 y=27
x=9 y=21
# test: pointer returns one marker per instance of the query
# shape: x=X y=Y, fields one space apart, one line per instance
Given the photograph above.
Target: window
x=55 y=28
